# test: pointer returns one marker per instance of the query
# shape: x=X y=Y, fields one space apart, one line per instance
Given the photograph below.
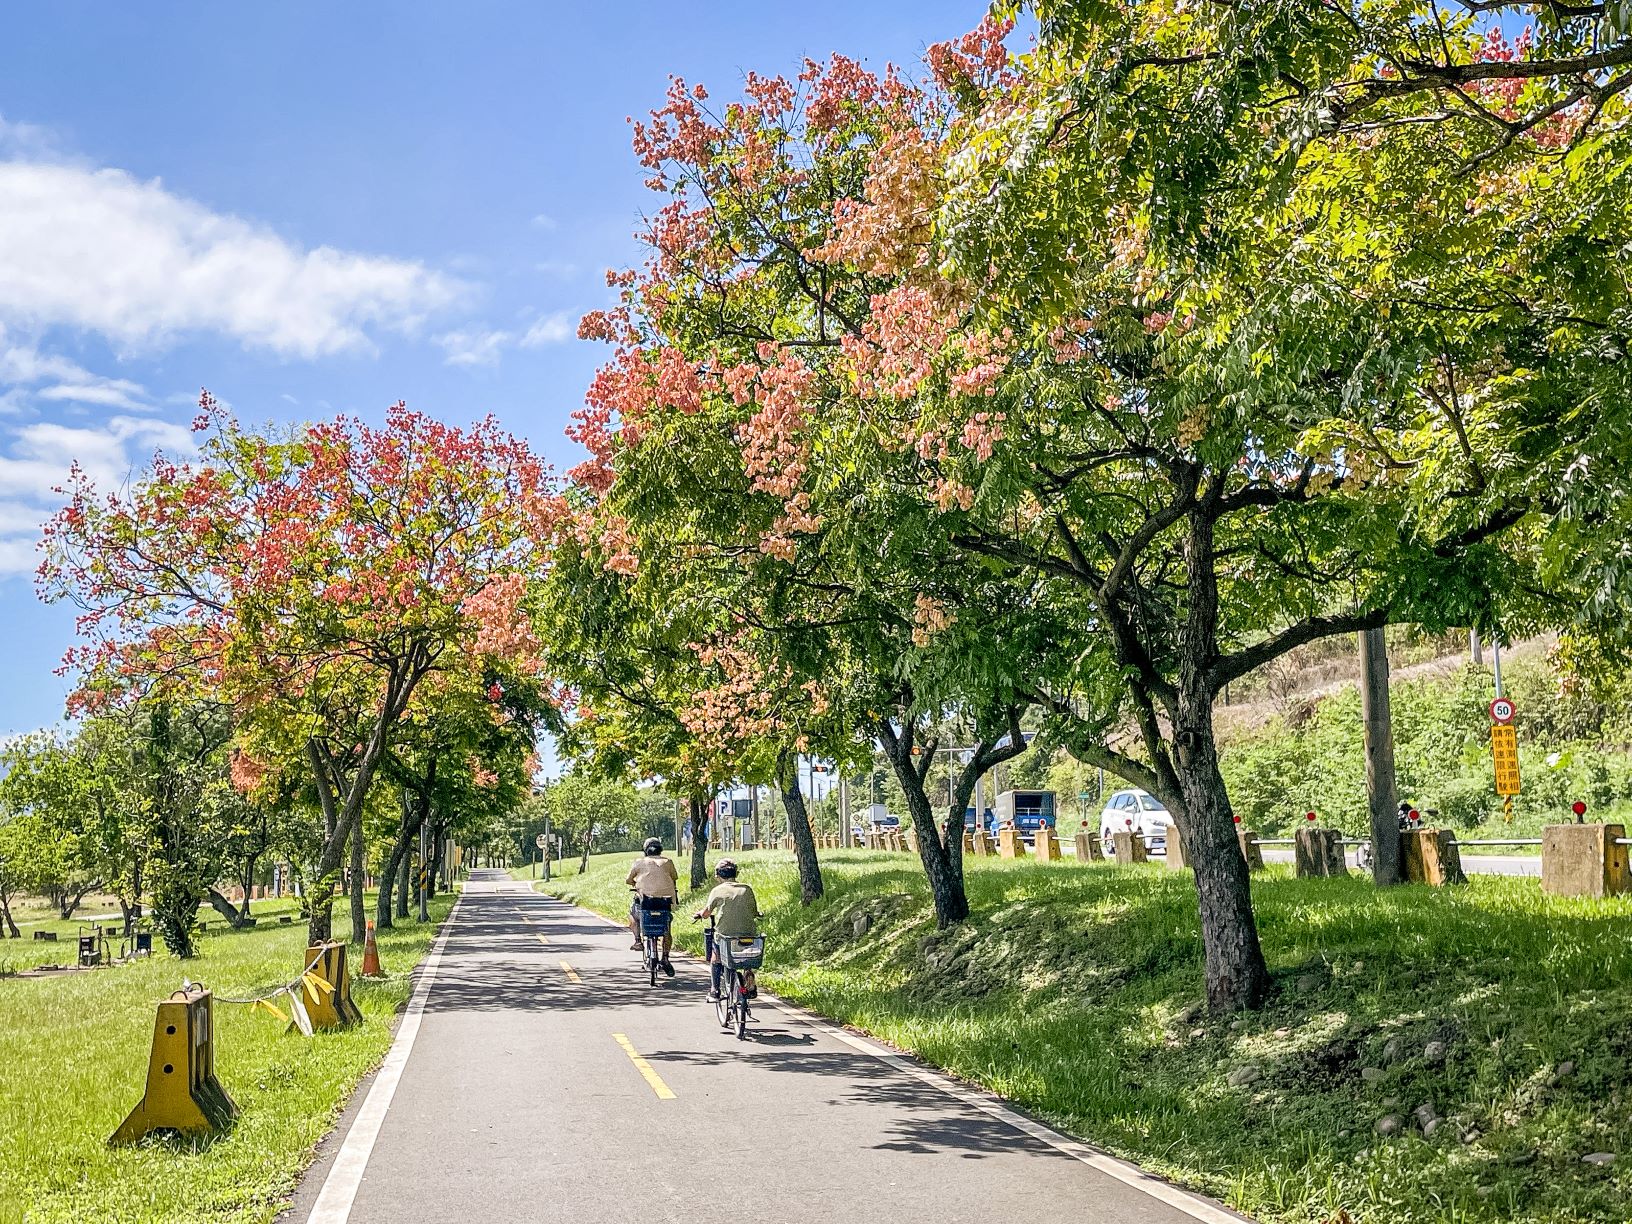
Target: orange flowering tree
x=313 y=582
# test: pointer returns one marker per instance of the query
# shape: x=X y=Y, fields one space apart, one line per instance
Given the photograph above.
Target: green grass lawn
x=1069 y=992
x=28 y=952
x=74 y=1050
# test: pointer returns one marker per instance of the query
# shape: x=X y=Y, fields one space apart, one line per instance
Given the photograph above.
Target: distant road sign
x=539 y=841
x=1501 y=710
x=1504 y=751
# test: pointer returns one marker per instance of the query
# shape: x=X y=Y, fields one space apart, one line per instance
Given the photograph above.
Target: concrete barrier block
x=1582 y=860
x=1046 y=846
x=1087 y=847
x=982 y=845
x=1254 y=854
x=1318 y=852
x=1010 y=845
x=912 y=840
x=1176 y=858
x=1431 y=856
x=1128 y=847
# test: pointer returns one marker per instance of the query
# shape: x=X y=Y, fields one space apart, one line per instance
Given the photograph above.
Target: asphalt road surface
x=546 y=1080
x=1473 y=864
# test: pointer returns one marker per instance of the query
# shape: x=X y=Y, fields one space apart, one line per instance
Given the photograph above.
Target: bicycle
x=738 y=955
x=656 y=915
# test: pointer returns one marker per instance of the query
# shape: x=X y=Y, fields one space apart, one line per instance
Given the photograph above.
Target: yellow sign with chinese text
x=1504 y=751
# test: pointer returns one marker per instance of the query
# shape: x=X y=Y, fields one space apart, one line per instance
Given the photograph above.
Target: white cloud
x=545 y=222
x=103 y=251
x=22 y=366
x=35 y=463
x=473 y=346
x=555 y=328
x=560 y=269
x=109 y=392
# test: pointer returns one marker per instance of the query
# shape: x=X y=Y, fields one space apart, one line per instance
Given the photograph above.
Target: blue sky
x=311 y=208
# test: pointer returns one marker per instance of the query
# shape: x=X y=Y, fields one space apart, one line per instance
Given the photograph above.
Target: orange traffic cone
x=371 y=955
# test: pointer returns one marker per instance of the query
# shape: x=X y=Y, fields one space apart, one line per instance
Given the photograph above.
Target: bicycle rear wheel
x=651 y=959
x=739 y=991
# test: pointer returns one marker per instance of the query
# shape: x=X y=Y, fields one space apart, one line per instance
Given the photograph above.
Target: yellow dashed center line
x=664 y=1092
x=572 y=974
x=543 y=939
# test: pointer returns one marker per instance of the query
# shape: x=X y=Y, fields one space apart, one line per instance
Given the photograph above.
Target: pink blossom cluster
x=1068 y=341
x=774 y=450
x=898 y=344
x=979 y=57
x=619 y=546
x=887 y=231
x=929 y=617
x=984 y=357
x=947 y=492
x=480 y=774
x=982 y=432
x=246 y=772
x=678 y=131
x=842 y=88
x=503 y=628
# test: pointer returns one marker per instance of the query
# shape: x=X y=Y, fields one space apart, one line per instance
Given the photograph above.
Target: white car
x=1137 y=811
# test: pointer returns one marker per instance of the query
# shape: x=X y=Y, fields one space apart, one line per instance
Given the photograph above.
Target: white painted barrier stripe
x=340 y=1187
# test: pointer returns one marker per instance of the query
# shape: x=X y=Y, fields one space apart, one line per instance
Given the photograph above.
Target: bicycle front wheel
x=740 y=992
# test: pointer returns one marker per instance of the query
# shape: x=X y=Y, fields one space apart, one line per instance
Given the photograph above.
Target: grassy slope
x=31 y=915
x=75 y=1048
x=1064 y=993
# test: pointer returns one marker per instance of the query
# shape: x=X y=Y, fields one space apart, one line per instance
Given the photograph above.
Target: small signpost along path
x=545 y=1079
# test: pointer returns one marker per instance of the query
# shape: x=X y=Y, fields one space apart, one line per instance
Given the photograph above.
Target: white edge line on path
x=1193 y=1205
x=340 y=1187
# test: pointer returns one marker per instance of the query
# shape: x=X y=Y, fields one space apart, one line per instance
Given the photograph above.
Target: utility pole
x=844 y=813
x=1379 y=728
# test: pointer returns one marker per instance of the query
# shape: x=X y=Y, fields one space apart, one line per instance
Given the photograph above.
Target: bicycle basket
x=655 y=922
x=741 y=953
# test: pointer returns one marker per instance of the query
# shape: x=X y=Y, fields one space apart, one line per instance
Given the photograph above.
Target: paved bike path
x=518 y=1101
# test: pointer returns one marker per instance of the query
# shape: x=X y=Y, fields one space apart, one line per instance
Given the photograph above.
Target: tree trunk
x=248 y=883
x=10 y=924
x=405 y=880
x=589 y=840
x=699 y=841
x=229 y=911
x=804 y=844
x=945 y=879
x=395 y=864
x=1379 y=735
x=1237 y=977
x=359 y=908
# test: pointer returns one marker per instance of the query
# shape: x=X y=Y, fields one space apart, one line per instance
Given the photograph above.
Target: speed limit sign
x=1501 y=711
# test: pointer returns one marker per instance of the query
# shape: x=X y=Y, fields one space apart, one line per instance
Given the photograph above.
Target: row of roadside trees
x=1067 y=386
x=1080 y=383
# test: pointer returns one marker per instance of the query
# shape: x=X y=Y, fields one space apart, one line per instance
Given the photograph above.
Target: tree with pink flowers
x=315 y=582
x=1098 y=379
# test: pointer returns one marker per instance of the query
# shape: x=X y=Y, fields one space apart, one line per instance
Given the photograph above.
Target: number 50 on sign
x=1504 y=750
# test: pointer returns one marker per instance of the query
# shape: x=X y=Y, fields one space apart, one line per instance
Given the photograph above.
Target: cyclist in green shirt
x=735 y=911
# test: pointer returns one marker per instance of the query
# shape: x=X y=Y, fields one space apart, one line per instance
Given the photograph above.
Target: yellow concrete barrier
x=982 y=845
x=327 y=990
x=1046 y=846
x=182 y=1094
